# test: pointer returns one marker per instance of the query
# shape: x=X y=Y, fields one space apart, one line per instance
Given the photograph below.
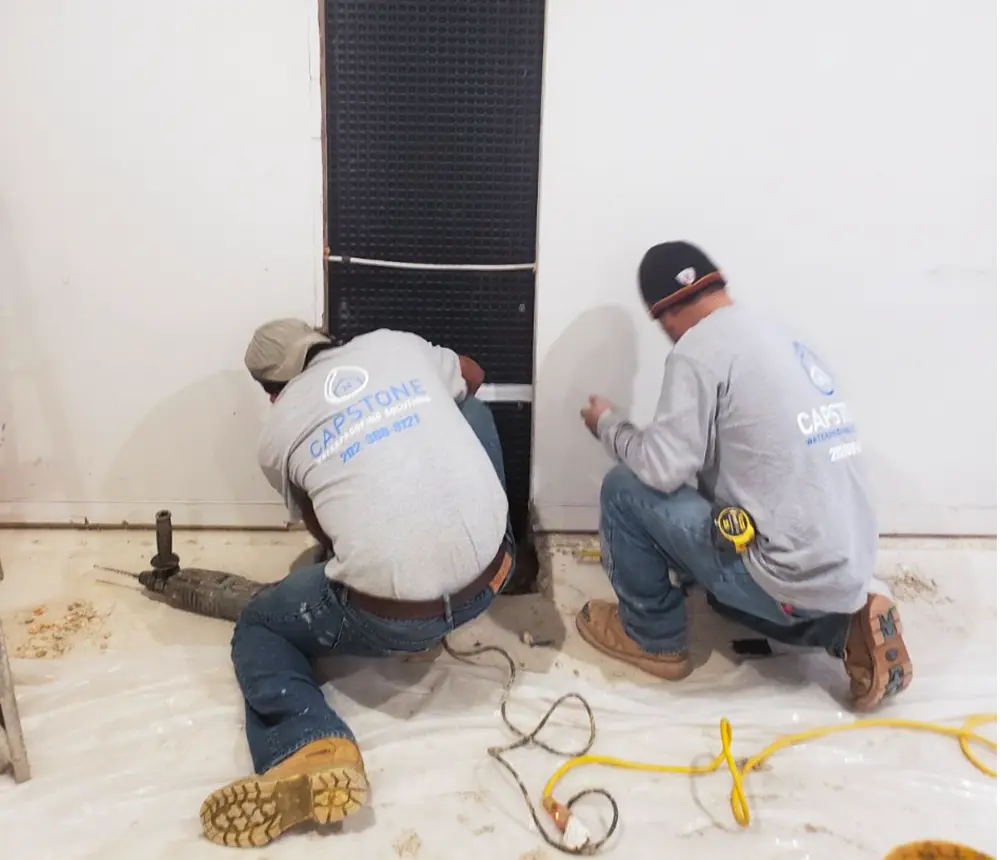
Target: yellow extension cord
x=738 y=799
x=582 y=844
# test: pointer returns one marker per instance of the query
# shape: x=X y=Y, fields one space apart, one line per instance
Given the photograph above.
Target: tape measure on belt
x=734 y=527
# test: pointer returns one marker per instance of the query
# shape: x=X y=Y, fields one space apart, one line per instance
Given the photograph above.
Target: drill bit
x=117 y=570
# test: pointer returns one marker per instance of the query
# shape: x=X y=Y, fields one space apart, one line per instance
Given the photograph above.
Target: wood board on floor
x=10 y=720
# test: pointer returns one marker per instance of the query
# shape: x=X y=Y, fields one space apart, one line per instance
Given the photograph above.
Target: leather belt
x=416 y=610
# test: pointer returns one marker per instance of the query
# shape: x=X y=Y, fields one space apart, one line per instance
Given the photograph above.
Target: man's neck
x=706 y=306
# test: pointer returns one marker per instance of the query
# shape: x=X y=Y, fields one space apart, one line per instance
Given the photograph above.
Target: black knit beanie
x=673 y=272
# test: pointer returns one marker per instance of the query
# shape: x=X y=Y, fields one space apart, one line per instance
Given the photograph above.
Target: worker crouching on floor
x=380 y=448
x=780 y=531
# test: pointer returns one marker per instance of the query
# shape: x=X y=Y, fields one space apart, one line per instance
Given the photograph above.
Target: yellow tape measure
x=735 y=527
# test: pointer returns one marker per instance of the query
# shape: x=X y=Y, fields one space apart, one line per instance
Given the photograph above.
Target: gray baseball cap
x=278 y=349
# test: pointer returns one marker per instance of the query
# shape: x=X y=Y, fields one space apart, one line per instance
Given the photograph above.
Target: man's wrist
x=606 y=423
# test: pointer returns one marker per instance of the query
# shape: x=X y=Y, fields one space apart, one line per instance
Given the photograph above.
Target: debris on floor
x=408 y=844
x=532 y=642
x=48 y=631
x=161 y=712
x=908 y=585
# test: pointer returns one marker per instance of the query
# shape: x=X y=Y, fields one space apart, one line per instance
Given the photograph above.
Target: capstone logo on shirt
x=819 y=377
x=825 y=423
x=343 y=383
x=376 y=406
x=824 y=417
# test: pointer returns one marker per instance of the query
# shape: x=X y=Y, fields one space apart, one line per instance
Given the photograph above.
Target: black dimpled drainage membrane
x=433 y=116
x=483 y=315
x=514 y=426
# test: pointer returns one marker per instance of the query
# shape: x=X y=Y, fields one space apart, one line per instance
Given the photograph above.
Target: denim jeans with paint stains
x=646 y=533
x=305 y=616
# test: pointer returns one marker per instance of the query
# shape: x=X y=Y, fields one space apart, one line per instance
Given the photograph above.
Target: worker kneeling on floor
x=780 y=531
x=380 y=448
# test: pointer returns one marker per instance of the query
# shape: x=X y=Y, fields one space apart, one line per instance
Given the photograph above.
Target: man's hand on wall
x=592 y=412
x=472 y=373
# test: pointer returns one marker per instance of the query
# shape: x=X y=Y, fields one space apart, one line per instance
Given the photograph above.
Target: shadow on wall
x=203 y=436
x=596 y=354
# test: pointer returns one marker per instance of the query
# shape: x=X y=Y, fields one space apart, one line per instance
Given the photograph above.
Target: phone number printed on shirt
x=377 y=435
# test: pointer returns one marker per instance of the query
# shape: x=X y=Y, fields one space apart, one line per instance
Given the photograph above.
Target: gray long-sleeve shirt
x=753 y=418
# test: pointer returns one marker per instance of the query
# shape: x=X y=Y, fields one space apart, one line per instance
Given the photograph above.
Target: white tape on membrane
x=505 y=393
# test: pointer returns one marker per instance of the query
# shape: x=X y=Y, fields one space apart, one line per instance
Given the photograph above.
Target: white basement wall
x=160 y=196
x=838 y=162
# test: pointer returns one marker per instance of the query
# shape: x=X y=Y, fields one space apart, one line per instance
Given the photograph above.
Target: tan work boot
x=933 y=850
x=323 y=782
x=876 y=658
x=600 y=627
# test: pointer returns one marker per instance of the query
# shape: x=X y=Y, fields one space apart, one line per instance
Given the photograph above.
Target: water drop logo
x=343 y=383
x=686 y=277
x=822 y=380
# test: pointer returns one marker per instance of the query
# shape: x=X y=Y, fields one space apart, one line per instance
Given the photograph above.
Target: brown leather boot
x=322 y=782
x=600 y=627
x=876 y=658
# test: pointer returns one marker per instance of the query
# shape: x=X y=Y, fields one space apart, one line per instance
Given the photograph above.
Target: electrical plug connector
x=575 y=835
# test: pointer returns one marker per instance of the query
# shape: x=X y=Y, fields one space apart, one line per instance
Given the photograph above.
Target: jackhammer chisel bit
x=193 y=589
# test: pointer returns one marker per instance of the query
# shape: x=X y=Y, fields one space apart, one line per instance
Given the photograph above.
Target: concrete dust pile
x=908 y=585
x=47 y=631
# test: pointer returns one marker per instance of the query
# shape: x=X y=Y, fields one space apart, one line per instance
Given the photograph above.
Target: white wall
x=839 y=163
x=160 y=196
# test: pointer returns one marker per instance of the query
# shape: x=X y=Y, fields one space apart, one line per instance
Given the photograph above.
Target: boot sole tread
x=252 y=812
x=892 y=669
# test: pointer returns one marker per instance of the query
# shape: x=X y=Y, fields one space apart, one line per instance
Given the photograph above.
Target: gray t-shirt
x=397 y=478
x=754 y=418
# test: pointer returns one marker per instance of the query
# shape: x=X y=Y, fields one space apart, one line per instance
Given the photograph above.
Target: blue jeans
x=645 y=533
x=306 y=616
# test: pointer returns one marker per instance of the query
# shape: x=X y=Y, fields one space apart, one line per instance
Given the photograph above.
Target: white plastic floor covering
x=125 y=740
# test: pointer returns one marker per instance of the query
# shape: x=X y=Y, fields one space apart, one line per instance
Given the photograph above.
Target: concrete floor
x=132 y=715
